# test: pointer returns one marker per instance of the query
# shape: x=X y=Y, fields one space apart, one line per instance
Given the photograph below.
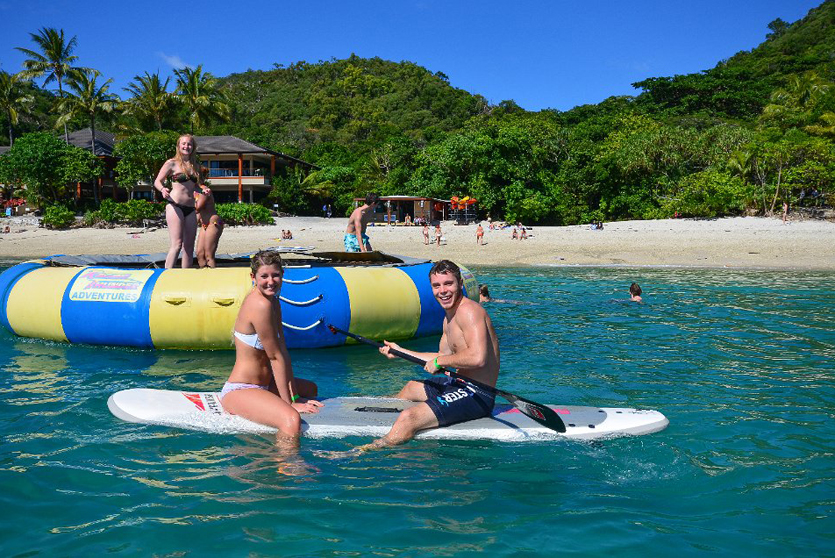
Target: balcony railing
x=233 y=173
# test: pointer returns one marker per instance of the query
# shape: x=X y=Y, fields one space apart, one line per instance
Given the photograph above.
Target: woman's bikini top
x=250 y=339
x=182 y=177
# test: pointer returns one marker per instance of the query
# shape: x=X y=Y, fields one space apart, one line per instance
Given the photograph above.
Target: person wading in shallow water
x=635 y=293
x=355 y=238
x=469 y=344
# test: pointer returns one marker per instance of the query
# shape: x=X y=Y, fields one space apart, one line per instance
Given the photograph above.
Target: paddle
x=540 y=413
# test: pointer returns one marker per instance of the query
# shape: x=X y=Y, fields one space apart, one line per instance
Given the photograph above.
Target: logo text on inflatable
x=109 y=285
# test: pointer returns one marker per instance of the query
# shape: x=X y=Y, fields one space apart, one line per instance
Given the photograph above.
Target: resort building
x=105 y=185
x=238 y=171
x=393 y=209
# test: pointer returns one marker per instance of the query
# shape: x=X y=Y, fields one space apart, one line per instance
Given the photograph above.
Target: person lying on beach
x=211 y=227
x=469 y=344
x=635 y=293
x=355 y=238
x=262 y=387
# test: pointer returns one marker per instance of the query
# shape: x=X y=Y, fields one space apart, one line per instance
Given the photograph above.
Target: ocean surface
x=741 y=362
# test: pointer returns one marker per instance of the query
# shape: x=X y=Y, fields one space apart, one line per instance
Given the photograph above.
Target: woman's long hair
x=190 y=166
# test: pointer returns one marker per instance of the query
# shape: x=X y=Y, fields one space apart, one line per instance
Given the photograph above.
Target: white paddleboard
x=373 y=416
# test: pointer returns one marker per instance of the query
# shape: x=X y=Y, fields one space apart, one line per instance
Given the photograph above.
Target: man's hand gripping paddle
x=540 y=413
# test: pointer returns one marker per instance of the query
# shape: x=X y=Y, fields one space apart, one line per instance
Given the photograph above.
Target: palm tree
x=54 y=60
x=151 y=100
x=199 y=93
x=13 y=100
x=88 y=99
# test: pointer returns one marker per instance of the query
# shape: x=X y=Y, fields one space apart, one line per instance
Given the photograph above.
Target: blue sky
x=542 y=54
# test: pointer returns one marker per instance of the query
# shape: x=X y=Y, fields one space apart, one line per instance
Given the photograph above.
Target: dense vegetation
x=751 y=133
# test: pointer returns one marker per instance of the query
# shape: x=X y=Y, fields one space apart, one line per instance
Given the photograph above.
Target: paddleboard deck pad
x=374 y=416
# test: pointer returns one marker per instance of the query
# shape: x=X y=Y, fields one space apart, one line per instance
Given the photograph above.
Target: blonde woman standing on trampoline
x=179 y=196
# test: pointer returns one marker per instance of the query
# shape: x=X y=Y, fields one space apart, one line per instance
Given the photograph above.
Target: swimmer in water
x=635 y=293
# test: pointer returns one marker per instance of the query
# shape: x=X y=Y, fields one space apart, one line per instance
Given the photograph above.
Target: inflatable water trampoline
x=131 y=301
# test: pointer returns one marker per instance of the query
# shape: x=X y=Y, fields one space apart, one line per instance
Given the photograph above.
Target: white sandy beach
x=739 y=242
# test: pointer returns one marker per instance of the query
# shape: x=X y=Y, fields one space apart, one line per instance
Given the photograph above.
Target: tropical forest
x=755 y=131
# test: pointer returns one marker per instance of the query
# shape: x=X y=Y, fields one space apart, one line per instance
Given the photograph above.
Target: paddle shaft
x=538 y=412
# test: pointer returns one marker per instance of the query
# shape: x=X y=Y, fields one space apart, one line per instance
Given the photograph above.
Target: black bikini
x=186 y=209
x=182 y=177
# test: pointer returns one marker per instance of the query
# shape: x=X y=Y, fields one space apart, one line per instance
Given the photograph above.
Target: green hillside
x=751 y=133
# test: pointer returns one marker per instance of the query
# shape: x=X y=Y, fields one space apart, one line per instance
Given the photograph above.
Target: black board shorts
x=455 y=401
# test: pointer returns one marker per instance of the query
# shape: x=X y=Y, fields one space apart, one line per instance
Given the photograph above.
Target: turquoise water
x=741 y=362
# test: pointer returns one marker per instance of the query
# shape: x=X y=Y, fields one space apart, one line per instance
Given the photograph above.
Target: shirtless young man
x=469 y=344
x=355 y=238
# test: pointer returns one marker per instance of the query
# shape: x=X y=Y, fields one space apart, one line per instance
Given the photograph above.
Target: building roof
x=4 y=149
x=226 y=145
x=104 y=141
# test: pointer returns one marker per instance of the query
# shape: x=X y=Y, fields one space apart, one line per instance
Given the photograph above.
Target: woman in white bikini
x=262 y=387
x=179 y=213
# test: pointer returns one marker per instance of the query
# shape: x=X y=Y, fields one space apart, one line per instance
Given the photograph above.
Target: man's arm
x=388 y=346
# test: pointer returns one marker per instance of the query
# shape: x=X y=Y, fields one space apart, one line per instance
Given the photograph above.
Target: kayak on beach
x=374 y=416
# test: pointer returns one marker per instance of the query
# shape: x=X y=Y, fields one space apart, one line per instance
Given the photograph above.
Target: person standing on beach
x=438 y=233
x=479 y=235
x=469 y=344
x=426 y=233
x=184 y=173
x=635 y=293
x=785 y=212
x=355 y=238
x=211 y=227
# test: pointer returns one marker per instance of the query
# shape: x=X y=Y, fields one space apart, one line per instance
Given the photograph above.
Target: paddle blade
x=540 y=413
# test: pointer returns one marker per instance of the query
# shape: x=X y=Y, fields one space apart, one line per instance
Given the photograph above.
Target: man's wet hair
x=371 y=197
x=446 y=266
x=483 y=290
x=635 y=289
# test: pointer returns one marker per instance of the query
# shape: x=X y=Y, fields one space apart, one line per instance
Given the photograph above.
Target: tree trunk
x=93 y=133
x=776 y=191
x=61 y=94
x=11 y=132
